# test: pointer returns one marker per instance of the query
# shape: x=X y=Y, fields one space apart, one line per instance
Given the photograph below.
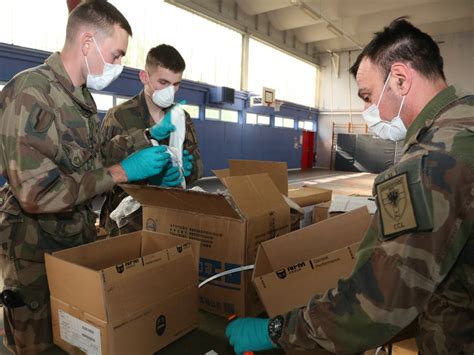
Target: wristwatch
x=275 y=328
x=148 y=134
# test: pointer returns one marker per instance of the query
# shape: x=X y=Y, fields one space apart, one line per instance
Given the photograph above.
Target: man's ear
x=86 y=41
x=403 y=77
x=143 y=75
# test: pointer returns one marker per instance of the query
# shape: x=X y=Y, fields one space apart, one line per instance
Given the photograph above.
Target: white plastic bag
x=126 y=207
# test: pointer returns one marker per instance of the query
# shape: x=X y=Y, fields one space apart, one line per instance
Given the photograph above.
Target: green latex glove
x=249 y=334
x=187 y=163
x=145 y=163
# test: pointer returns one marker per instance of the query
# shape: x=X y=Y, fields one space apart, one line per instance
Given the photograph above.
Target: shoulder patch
x=395 y=206
x=400 y=194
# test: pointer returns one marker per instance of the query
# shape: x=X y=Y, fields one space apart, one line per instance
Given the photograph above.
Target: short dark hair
x=167 y=57
x=99 y=14
x=403 y=42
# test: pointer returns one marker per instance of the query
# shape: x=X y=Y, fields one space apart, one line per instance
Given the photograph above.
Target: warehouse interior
x=265 y=81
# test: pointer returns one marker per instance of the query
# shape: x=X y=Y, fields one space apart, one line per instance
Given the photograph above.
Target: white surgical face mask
x=394 y=130
x=165 y=97
x=109 y=73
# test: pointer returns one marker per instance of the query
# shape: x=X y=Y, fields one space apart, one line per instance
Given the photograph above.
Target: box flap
x=255 y=195
x=221 y=174
x=153 y=241
x=188 y=200
x=342 y=203
x=158 y=276
x=103 y=253
x=278 y=171
x=315 y=240
x=68 y=282
x=309 y=196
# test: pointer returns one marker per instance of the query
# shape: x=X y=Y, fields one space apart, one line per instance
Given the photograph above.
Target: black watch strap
x=148 y=134
x=275 y=328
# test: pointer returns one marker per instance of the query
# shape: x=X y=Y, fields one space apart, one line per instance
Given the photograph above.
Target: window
x=120 y=100
x=253 y=118
x=306 y=125
x=284 y=122
x=229 y=116
x=205 y=61
x=213 y=114
x=103 y=101
x=263 y=120
x=46 y=32
x=296 y=85
x=193 y=110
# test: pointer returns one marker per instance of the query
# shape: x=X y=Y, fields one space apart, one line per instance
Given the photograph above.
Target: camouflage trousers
x=28 y=328
x=24 y=239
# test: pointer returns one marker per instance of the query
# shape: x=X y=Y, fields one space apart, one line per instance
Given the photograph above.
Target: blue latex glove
x=249 y=334
x=163 y=129
x=187 y=163
x=171 y=177
x=145 y=163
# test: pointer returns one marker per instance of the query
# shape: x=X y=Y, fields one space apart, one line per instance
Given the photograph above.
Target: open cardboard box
x=132 y=294
x=323 y=251
x=229 y=226
x=341 y=204
x=307 y=197
x=293 y=268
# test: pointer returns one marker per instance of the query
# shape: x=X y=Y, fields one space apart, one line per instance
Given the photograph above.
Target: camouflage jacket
x=123 y=128
x=416 y=262
x=50 y=154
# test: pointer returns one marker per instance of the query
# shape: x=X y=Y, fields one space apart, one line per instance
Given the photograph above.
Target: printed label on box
x=80 y=334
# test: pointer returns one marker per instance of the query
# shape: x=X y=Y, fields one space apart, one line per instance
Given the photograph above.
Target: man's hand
x=145 y=163
x=163 y=129
x=171 y=177
x=187 y=163
x=249 y=334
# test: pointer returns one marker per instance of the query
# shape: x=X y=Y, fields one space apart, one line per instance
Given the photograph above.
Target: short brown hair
x=167 y=57
x=99 y=14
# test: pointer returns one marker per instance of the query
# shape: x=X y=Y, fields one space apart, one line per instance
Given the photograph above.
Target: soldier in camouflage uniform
x=50 y=155
x=163 y=71
x=416 y=262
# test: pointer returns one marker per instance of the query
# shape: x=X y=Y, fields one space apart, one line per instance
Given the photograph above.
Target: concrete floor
x=210 y=333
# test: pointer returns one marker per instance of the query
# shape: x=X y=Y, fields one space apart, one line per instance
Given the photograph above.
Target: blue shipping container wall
x=218 y=141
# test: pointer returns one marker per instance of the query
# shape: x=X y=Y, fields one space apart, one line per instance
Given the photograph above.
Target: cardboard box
x=286 y=267
x=307 y=198
x=230 y=228
x=277 y=171
x=340 y=204
x=132 y=294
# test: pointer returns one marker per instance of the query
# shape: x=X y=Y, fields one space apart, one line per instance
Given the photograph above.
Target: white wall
x=458 y=54
x=339 y=103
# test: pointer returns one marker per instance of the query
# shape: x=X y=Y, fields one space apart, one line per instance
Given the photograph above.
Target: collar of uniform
x=429 y=113
x=80 y=94
x=144 y=109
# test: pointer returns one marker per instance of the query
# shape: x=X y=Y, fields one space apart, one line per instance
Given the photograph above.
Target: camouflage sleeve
x=118 y=142
x=191 y=145
x=31 y=148
x=394 y=278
